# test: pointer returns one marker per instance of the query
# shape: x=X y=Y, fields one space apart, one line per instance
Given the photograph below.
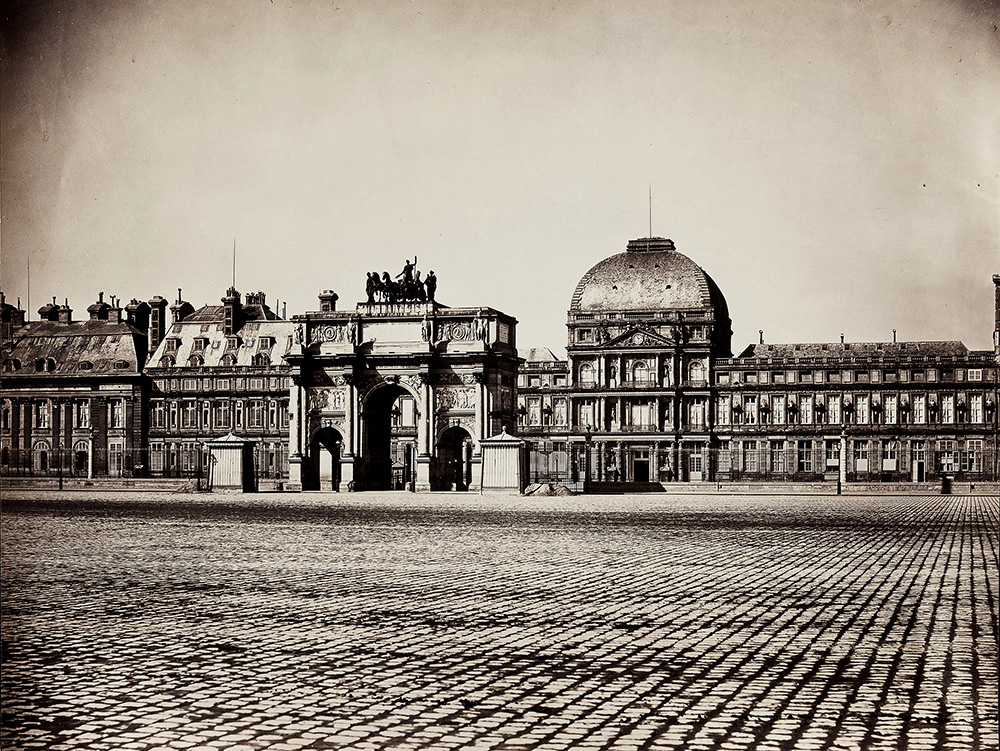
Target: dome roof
x=649 y=276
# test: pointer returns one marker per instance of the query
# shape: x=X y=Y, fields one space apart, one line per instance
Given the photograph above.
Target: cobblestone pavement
x=450 y=622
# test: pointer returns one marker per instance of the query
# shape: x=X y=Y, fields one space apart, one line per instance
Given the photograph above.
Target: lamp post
x=842 y=469
x=586 y=460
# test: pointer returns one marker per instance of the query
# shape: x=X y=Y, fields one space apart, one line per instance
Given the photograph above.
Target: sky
x=834 y=165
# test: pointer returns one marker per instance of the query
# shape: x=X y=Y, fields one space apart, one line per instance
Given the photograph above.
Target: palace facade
x=402 y=391
x=650 y=393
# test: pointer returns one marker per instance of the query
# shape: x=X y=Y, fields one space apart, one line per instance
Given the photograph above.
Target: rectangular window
x=156 y=457
x=189 y=415
x=750 y=410
x=861 y=456
x=972 y=456
x=750 y=463
x=42 y=414
x=722 y=410
x=976 y=408
x=118 y=413
x=159 y=415
x=833 y=410
x=890 y=455
x=806 y=410
x=861 y=410
x=919 y=409
x=534 y=411
x=222 y=414
x=255 y=418
x=778 y=409
x=889 y=407
x=777 y=456
x=696 y=413
x=833 y=453
x=946 y=455
x=81 y=416
x=948 y=409
x=975 y=374
x=805 y=456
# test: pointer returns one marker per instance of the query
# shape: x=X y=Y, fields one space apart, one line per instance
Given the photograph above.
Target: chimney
x=49 y=311
x=11 y=318
x=99 y=310
x=328 y=301
x=232 y=312
x=181 y=309
x=65 y=313
x=157 y=321
x=137 y=314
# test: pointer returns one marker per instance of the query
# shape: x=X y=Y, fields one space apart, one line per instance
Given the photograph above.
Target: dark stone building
x=74 y=395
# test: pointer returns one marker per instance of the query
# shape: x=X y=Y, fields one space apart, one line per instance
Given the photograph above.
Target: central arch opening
x=389 y=422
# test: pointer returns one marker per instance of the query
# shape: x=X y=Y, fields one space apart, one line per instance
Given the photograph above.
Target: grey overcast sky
x=833 y=164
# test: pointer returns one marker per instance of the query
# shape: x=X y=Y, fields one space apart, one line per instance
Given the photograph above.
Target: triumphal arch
x=398 y=392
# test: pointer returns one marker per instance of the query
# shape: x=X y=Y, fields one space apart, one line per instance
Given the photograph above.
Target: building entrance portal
x=454 y=460
x=376 y=434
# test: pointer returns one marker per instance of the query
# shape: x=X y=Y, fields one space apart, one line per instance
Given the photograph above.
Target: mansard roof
x=93 y=348
x=540 y=354
x=213 y=313
x=857 y=349
x=204 y=336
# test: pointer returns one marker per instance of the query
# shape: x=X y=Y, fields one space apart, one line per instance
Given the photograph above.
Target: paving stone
x=457 y=622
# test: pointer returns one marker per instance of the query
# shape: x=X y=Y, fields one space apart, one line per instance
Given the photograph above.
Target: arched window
x=81 y=452
x=40 y=456
x=195 y=361
x=228 y=361
x=696 y=371
x=45 y=365
x=586 y=373
x=6 y=417
x=166 y=361
x=262 y=359
x=640 y=372
x=10 y=365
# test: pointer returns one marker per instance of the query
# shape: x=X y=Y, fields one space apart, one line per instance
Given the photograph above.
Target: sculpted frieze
x=456 y=398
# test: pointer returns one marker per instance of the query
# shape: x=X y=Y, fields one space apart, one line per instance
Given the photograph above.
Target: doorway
x=326 y=450
x=454 y=460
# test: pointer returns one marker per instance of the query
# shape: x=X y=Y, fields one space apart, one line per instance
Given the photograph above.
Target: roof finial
x=894 y=336
x=841 y=337
x=761 y=336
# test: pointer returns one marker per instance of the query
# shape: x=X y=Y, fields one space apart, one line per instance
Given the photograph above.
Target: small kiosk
x=230 y=465
x=503 y=463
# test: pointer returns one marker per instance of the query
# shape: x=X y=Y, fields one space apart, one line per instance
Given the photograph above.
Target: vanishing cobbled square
x=393 y=621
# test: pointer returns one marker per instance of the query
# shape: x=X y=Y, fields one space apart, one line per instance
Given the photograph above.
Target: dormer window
x=200 y=343
x=166 y=361
x=265 y=342
x=232 y=342
x=262 y=359
x=228 y=361
x=45 y=365
x=172 y=343
x=85 y=365
x=195 y=361
x=11 y=365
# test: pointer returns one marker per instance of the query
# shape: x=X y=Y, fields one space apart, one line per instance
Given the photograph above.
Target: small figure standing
x=352 y=332
x=299 y=334
x=371 y=286
x=431 y=283
x=407 y=273
x=418 y=288
x=426 y=328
